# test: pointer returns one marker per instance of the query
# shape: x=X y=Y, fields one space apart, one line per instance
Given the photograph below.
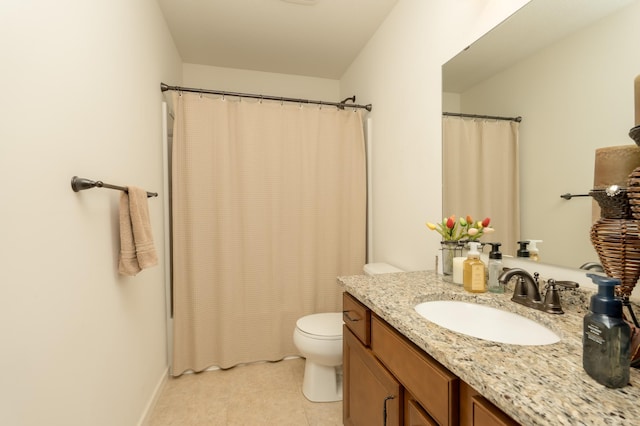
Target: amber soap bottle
x=474 y=271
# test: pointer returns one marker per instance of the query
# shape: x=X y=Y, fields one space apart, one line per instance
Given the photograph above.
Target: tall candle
x=457 y=269
x=637 y=99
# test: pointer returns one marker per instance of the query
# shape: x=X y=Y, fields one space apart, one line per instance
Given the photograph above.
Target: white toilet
x=318 y=337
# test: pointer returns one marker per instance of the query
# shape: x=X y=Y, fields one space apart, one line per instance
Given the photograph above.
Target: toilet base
x=322 y=383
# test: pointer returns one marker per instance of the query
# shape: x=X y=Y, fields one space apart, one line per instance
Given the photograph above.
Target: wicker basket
x=617 y=242
x=633 y=193
x=613 y=206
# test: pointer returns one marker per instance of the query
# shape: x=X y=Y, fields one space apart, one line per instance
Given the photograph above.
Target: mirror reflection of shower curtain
x=480 y=175
x=269 y=207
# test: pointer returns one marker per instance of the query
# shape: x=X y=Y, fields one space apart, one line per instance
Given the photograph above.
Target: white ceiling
x=279 y=36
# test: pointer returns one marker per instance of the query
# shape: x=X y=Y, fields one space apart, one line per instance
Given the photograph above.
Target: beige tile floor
x=253 y=395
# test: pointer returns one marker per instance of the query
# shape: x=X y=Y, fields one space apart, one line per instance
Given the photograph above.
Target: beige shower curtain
x=480 y=175
x=269 y=207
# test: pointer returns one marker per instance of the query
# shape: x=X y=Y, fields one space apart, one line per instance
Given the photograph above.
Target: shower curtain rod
x=490 y=117
x=341 y=105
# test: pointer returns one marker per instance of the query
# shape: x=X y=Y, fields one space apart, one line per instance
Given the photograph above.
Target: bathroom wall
x=80 y=344
x=399 y=72
x=262 y=83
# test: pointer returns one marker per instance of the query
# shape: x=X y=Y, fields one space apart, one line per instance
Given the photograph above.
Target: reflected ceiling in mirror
x=535 y=26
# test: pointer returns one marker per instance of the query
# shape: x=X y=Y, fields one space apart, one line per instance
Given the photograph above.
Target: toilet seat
x=324 y=326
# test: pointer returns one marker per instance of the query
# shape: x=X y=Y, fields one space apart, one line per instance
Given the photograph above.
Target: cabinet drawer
x=357 y=317
x=428 y=381
x=487 y=414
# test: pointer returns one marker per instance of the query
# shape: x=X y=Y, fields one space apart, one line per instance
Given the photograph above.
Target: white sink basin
x=486 y=323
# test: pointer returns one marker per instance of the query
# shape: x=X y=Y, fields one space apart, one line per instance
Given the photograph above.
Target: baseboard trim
x=146 y=414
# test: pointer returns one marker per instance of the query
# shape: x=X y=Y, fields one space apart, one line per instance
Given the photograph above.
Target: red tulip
x=486 y=222
x=451 y=222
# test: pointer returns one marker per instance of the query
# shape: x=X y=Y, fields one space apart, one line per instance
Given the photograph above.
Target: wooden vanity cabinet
x=371 y=394
x=387 y=377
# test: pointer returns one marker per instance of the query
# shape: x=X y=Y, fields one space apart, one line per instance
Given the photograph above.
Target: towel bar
x=80 y=184
x=570 y=196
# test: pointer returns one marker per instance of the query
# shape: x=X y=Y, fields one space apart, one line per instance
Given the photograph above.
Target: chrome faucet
x=527 y=291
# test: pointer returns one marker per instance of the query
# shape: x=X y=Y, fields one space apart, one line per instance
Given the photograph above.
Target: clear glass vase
x=450 y=249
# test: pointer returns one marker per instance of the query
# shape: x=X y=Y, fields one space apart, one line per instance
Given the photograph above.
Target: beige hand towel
x=137 y=251
x=128 y=264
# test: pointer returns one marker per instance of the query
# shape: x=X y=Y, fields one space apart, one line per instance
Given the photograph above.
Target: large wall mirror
x=568 y=68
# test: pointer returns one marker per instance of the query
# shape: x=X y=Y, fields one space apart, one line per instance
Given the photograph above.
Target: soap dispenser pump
x=523 y=251
x=473 y=271
x=534 y=253
x=606 y=337
x=495 y=269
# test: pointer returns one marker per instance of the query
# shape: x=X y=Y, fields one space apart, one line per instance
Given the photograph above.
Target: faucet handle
x=520 y=291
x=552 y=297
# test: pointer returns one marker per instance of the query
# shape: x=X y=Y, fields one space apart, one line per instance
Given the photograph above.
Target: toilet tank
x=380 y=268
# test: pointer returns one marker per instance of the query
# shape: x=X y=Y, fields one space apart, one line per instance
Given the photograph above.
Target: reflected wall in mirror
x=568 y=69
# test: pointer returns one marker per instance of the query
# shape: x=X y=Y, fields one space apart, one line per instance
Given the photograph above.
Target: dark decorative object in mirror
x=634 y=134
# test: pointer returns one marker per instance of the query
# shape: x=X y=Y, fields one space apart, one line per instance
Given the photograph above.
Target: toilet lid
x=325 y=324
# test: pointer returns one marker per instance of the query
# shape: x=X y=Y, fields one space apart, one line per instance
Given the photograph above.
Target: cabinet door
x=487 y=414
x=372 y=396
x=475 y=410
x=414 y=414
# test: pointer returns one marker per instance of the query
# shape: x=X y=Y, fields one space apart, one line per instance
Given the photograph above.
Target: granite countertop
x=535 y=385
